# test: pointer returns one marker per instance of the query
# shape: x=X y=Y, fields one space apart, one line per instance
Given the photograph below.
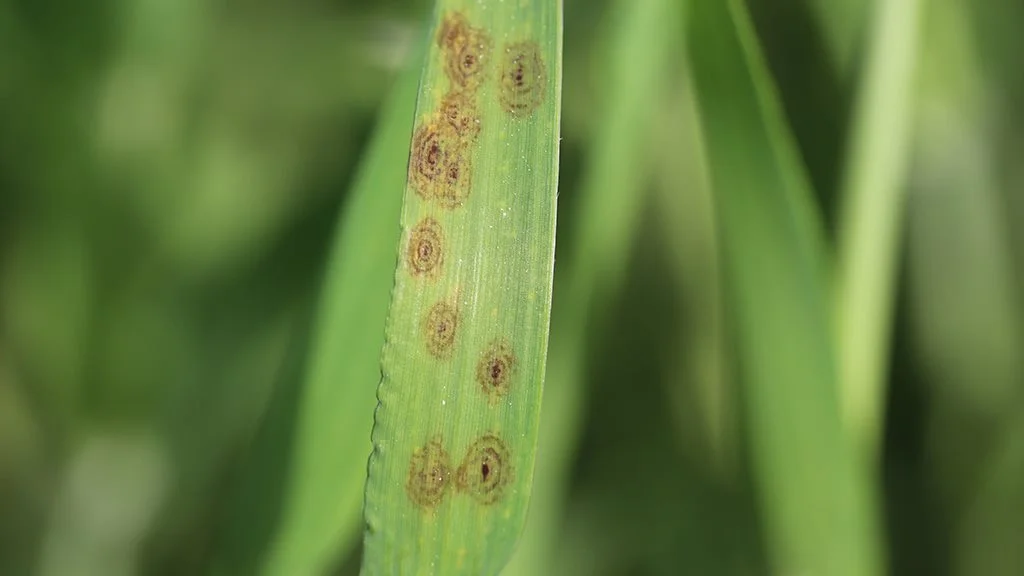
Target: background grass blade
x=843 y=23
x=612 y=192
x=455 y=429
x=815 y=498
x=871 y=216
x=703 y=393
x=965 y=311
x=990 y=535
x=324 y=495
x=964 y=304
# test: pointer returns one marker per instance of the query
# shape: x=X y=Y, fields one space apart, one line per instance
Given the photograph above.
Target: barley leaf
x=455 y=429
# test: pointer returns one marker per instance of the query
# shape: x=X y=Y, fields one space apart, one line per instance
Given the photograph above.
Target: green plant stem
x=871 y=215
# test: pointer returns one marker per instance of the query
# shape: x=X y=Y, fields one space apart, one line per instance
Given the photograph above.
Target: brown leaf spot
x=495 y=369
x=429 y=473
x=438 y=164
x=460 y=114
x=523 y=79
x=486 y=471
x=452 y=30
x=425 y=253
x=439 y=329
x=467 y=50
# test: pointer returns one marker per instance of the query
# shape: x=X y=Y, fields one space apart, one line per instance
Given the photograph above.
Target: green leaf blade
x=871 y=218
x=815 y=496
x=459 y=403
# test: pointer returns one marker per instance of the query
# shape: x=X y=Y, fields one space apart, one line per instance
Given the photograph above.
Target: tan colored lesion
x=496 y=369
x=459 y=111
x=429 y=475
x=440 y=329
x=439 y=163
x=425 y=249
x=523 y=79
x=486 y=470
x=466 y=49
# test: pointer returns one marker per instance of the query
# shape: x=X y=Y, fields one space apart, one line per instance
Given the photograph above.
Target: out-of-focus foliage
x=772 y=262
x=172 y=175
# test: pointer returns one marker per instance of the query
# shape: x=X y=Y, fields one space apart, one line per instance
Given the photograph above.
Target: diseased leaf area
x=462 y=370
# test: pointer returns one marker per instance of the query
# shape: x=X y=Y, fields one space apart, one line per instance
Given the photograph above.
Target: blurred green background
x=172 y=173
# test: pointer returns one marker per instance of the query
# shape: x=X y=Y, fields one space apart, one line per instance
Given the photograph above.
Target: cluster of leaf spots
x=429 y=473
x=484 y=473
x=440 y=163
x=486 y=470
x=495 y=369
x=439 y=329
x=440 y=172
x=523 y=79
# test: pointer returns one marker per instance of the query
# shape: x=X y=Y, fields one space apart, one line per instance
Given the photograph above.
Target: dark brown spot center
x=434 y=154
